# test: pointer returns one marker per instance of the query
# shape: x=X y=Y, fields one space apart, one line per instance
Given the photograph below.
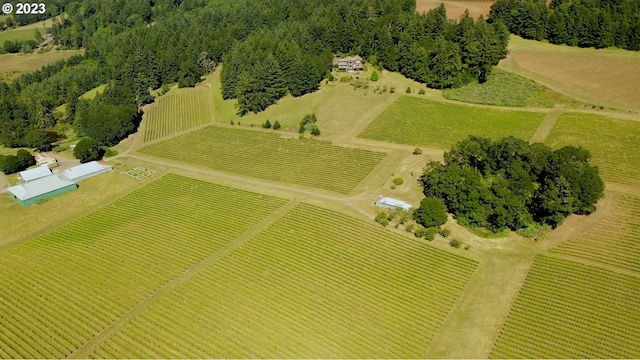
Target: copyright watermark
x=24 y=8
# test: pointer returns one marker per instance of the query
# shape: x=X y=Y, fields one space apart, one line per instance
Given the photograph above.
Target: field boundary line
x=545 y=127
x=92 y=344
x=595 y=264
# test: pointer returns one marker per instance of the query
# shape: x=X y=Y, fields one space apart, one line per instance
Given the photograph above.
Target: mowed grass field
x=567 y=309
x=416 y=121
x=13 y=65
x=266 y=155
x=603 y=76
x=21 y=33
x=613 y=144
x=315 y=284
x=177 y=111
x=615 y=241
x=60 y=289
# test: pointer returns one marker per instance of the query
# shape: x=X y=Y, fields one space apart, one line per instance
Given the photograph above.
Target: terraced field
x=61 y=289
x=416 y=121
x=268 y=156
x=571 y=310
x=615 y=241
x=613 y=144
x=179 y=111
x=314 y=284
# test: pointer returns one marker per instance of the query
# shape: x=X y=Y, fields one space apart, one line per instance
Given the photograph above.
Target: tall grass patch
x=506 y=89
x=266 y=155
x=416 y=121
x=315 y=284
x=613 y=144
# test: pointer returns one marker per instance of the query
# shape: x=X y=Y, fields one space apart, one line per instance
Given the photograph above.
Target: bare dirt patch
x=455 y=9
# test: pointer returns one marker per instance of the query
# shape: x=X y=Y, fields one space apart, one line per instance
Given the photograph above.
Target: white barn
x=35 y=173
x=85 y=171
x=390 y=203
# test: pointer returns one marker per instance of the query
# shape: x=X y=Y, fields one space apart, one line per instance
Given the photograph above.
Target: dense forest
x=584 y=23
x=508 y=183
x=268 y=49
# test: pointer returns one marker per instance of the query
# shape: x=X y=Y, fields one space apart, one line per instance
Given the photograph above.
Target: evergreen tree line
x=584 y=23
x=269 y=48
x=508 y=183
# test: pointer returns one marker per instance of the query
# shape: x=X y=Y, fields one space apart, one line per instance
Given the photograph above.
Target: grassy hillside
x=416 y=121
x=13 y=65
x=606 y=77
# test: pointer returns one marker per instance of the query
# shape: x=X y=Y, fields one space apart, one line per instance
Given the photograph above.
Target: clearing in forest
x=455 y=9
x=603 y=76
x=266 y=155
x=613 y=144
x=60 y=289
x=416 y=121
x=334 y=287
x=13 y=65
x=508 y=89
x=177 y=111
x=567 y=309
x=615 y=241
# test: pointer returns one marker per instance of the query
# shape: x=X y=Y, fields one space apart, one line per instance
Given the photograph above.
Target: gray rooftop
x=40 y=186
x=82 y=170
x=36 y=173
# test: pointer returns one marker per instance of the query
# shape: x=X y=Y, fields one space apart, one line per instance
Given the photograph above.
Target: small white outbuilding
x=85 y=171
x=390 y=203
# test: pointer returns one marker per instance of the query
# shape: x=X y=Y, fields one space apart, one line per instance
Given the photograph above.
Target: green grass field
x=91 y=94
x=416 y=121
x=13 y=65
x=266 y=155
x=62 y=288
x=177 y=111
x=507 y=89
x=571 y=310
x=614 y=241
x=613 y=144
x=315 y=284
x=20 y=34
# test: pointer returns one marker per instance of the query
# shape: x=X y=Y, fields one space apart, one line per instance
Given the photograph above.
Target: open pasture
x=60 y=289
x=615 y=241
x=21 y=34
x=568 y=309
x=416 y=121
x=315 y=284
x=613 y=144
x=603 y=76
x=177 y=111
x=455 y=9
x=13 y=65
x=266 y=155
